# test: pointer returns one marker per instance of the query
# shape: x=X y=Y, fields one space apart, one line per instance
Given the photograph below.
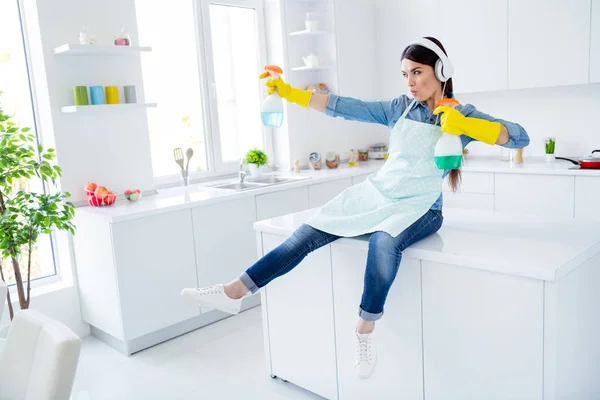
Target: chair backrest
x=3 y=290
x=39 y=360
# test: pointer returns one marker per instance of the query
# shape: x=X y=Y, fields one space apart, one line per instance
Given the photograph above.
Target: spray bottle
x=272 y=107
x=448 y=149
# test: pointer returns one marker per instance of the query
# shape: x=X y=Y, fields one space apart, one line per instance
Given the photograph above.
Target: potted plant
x=255 y=159
x=550 y=144
x=24 y=215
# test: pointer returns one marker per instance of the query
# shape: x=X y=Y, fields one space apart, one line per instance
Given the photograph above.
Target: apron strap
x=410 y=106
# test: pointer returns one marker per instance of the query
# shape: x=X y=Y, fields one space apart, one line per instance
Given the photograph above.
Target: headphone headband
x=446 y=69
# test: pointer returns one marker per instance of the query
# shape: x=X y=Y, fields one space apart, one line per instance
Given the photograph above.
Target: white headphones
x=443 y=67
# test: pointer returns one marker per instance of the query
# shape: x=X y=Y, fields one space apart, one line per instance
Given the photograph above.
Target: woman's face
x=420 y=79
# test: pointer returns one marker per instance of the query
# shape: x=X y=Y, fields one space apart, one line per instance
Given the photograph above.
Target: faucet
x=242 y=173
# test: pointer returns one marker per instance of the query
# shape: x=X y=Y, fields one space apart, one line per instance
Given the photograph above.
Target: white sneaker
x=213 y=297
x=366 y=355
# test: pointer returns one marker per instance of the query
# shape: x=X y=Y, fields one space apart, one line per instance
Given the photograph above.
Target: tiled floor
x=224 y=360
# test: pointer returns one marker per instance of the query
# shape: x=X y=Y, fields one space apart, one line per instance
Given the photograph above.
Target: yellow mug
x=112 y=94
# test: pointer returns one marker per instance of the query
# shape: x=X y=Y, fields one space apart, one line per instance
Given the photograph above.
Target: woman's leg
x=383 y=261
x=277 y=262
x=282 y=259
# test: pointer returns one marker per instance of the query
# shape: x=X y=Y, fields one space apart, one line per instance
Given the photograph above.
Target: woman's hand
x=286 y=91
x=454 y=123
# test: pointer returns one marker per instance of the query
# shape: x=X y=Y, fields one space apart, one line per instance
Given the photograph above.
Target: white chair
x=39 y=360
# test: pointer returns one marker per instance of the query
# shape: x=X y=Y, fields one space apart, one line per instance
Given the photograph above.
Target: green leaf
x=25 y=129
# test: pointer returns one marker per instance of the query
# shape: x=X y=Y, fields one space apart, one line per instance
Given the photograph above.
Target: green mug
x=81 y=95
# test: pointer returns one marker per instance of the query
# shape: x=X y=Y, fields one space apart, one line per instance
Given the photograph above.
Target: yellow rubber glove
x=293 y=95
x=453 y=122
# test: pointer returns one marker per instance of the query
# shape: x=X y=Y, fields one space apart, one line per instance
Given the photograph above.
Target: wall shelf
x=99 y=109
x=308 y=33
x=98 y=50
x=305 y=68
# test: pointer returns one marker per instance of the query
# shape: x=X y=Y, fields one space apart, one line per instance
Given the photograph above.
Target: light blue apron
x=397 y=195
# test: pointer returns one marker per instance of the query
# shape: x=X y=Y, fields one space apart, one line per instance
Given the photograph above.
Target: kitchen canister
x=80 y=95
x=130 y=94
x=112 y=94
x=97 y=95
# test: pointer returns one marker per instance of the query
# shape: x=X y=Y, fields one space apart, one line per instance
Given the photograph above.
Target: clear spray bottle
x=448 y=149
x=272 y=107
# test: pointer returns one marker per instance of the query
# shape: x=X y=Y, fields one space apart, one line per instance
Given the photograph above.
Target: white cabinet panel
x=399 y=371
x=281 y=203
x=474 y=182
x=483 y=325
x=472 y=201
x=154 y=261
x=544 y=195
x=297 y=302
x=481 y=61
x=587 y=197
x=595 y=44
x=321 y=193
x=225 y=241
x=549 y=43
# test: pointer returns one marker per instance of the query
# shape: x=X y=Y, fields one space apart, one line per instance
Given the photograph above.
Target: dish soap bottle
x=272 y=107
x=448 y=149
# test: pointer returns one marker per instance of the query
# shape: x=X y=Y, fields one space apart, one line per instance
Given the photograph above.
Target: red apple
x=94 y=201
x=110 y=199
x=89 y=188
x=101 y=192
x=127 y=192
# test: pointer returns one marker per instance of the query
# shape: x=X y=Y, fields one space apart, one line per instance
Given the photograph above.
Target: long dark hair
x=423 y=55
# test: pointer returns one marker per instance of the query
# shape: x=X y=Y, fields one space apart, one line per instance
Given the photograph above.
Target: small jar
x=363 y=155
x=516 y=156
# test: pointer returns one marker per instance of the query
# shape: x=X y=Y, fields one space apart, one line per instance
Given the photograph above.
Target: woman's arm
x=512 y=135
x=318 y=101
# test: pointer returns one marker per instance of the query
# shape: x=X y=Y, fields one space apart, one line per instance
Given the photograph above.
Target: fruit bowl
x=133 y=195
x=99 y=196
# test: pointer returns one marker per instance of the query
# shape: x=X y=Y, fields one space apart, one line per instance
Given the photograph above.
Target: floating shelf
x=98 y=50
x=104 y=108
x=308 y=33
x=320 y=67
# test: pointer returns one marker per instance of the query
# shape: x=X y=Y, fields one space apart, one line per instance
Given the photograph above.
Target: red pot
x=585 y=163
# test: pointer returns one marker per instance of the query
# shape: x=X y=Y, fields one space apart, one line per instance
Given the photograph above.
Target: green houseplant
x=25 y=215
x=255 y=159
x=549 y=144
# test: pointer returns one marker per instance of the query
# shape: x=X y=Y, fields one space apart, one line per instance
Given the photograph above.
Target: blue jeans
x=383 y=259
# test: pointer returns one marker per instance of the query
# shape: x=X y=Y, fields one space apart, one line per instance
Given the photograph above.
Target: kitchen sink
x=257 y=183
x=239 y=186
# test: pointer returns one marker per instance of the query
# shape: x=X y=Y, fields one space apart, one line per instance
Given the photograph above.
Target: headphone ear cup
x=439 y=71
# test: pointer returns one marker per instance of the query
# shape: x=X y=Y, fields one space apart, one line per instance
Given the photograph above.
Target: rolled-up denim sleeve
x=518 y=137
x=377 y=112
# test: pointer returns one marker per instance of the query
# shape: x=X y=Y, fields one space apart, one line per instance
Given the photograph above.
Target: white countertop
x=196 y=195
x=525 y=246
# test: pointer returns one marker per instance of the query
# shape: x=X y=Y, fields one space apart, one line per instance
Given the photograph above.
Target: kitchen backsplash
x=568 y=113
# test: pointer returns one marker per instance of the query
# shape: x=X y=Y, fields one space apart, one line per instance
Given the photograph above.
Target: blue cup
x=97 y=94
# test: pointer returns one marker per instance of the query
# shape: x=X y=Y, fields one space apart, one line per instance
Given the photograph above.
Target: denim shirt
x=388 y=113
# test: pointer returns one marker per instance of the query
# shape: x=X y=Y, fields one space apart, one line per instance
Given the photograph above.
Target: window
x=203 y=73
x=16 y=100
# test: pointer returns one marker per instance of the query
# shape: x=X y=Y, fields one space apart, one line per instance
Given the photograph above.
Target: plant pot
x=254 y=170
x=549 y=158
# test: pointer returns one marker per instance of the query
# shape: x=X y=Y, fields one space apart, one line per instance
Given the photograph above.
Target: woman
x=399 y=205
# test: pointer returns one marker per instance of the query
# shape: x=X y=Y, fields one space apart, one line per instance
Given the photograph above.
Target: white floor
x=224 y=360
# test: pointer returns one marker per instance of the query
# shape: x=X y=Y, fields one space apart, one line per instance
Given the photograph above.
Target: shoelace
x=211 y=290
x=363 y=351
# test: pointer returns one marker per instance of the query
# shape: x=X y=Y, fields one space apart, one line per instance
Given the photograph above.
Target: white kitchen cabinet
x=399 y=335
x=305 y=313
x=548 y=42
x=471 y=201
x=545 y=195
x=469 y=321
x=473 y=182
x=481 y=61
x=476 y=192
x=225 y=241
x=154 y=260
x=595 y=43
x=359 y=178
x=587 y=197
x=283 y=202
x=321 y=193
